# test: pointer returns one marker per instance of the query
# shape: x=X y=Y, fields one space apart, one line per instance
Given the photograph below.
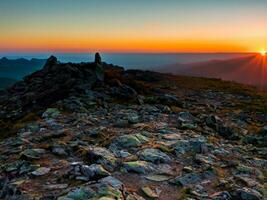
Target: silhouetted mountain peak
x=18 y=68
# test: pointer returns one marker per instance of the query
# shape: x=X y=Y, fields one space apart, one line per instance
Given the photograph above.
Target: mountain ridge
x=246 y=70
x=21 y=66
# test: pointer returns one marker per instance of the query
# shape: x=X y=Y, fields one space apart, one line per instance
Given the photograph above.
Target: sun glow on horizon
x=263 y=52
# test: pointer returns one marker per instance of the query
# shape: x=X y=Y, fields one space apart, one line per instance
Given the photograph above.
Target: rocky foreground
x=97 y=131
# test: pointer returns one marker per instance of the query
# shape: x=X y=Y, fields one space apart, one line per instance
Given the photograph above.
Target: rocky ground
x=95 y=131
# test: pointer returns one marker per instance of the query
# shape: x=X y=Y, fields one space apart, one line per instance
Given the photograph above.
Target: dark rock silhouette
x=98 y=59
x=58 y=81
x=52 y=60
x=54 y=82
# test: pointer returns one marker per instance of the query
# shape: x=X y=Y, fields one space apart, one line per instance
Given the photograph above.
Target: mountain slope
x=6 y=82
x=248 y=70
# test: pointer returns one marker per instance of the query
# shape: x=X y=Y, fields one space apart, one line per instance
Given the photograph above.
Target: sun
x=263 y=52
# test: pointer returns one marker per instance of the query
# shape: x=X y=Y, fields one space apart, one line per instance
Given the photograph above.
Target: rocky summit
x=97 y=131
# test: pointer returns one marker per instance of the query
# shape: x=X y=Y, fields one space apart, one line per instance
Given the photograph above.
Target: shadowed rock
x=54 y=82
x=52 y=60
x=98 y=59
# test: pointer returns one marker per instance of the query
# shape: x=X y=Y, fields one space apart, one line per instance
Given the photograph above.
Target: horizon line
x=128 y=52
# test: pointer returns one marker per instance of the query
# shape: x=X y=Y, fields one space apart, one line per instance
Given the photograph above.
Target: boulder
x=102 y=156
x=140 y=167
x=154 y=155
x=124 y=92
x=187 y=179
x=246 y=194
x=32 y=153
x=51 y=113
x=94 y=171
x=41 y=171
x=223 y=130
x=79 y=193
x=130 y=141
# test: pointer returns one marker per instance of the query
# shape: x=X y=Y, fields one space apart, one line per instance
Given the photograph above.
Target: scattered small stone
x=141 y=167
x=51 y=113
x=221 y=196
x=94 y=171
x=158 y=178
x=41 y=171
x=57 y=186
x=149 y=192
x=32 y=153
x=109 y=180
x=128 y=141
x=247 y=194
x=60 y=151
x=78 y=193
x=187 y=179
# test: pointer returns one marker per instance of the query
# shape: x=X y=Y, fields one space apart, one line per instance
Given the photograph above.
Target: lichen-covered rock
x=111 y=181
x=154 y=155
x=94 y=171
x=128 y=141
x=102 y=156
x=197 y=145
x=141 y=167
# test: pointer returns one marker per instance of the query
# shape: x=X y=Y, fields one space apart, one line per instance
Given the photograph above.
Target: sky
x=133 y=26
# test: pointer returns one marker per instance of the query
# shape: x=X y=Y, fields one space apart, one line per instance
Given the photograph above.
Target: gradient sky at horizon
x=133 y=26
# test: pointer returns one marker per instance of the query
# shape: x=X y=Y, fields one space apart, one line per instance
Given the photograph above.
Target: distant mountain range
x=13 y=70
x=18 y=68
x=250 y=69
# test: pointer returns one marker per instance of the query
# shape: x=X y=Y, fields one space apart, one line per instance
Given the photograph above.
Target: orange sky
x=82 y=26
x=62 y=44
